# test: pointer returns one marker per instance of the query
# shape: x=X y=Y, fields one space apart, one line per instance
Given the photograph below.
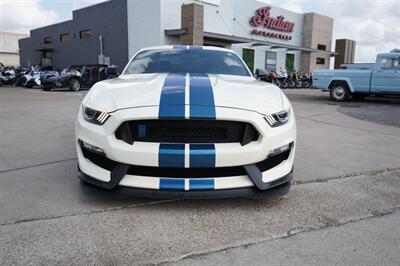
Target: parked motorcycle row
x=73 y=77
x=284 y=80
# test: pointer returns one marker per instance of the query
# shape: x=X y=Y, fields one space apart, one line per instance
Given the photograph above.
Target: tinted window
x=85 y=34
x=65 y=37
x=187 y=61
x=320 y=61
x=47 y=40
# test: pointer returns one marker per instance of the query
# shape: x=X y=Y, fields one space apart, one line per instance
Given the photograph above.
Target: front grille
x=215 y=172
x=187 y=131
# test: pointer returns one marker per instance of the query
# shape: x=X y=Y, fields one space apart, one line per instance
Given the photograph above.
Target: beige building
x=267 y=37
x=317 y=34
x=9 y=51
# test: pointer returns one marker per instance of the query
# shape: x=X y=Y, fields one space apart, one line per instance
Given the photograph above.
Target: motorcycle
x=306 y=81
x=266 y=76
x=7 y=76
x=32 y=78
x=19 y=75
x=111 y=72
x=282 y=78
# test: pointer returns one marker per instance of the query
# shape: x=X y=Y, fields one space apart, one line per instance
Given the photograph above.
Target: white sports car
x=186 y=122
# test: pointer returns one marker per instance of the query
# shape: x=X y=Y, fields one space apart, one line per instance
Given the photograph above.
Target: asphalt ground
x=343 y=208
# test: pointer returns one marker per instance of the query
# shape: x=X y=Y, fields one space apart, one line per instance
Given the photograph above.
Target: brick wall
x=192 y=19
x=317 y=31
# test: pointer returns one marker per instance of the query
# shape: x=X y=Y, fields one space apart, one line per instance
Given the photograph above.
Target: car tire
x=46 y=88
x=339 y=92
x=74 y=85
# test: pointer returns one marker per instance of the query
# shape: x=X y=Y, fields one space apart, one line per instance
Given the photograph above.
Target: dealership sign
x=263 y=19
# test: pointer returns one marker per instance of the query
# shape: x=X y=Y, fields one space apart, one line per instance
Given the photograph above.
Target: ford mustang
x=186 y=122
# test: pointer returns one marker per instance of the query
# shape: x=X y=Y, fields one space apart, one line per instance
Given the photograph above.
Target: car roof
x=180 y=46
x=389 y=54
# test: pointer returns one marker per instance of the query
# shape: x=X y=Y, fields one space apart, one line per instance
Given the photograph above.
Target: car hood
x=141 y=90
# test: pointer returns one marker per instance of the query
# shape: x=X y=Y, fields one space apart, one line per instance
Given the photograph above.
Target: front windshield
x=71 y=70
x=187 y=61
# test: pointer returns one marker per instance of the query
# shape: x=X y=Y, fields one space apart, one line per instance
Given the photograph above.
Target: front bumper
x=245 y=182
x=277 y=188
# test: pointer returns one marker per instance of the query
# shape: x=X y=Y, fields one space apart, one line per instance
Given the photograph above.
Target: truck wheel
x=339 y=93
x=74 y=85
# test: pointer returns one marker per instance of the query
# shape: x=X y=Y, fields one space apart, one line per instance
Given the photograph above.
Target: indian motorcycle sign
x=263 y=19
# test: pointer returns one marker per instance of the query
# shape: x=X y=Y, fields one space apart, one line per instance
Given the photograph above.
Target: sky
x=374 y=25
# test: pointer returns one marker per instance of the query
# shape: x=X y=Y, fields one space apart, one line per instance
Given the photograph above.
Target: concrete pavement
x=346 y=195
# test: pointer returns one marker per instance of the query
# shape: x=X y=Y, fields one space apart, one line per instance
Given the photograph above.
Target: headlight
x=94 y=116
x=278 y=119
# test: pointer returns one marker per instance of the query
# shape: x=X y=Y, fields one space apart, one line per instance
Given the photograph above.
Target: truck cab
x=382 y=79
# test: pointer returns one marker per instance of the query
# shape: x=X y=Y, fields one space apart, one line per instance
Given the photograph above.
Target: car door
x=386 y=75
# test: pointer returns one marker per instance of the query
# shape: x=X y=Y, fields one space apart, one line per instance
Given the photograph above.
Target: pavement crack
x=36 y=165
x=86 y=212
x=325 y=180
x=329 y=223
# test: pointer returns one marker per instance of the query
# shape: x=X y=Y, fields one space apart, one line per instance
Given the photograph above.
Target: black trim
x=187 y=131
x=212 y=172
x=280 y=187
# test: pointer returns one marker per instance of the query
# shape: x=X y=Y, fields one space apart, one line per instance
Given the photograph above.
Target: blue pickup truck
x=382 y=79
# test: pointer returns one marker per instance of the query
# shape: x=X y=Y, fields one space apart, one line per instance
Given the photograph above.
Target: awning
x=45 y=49
x=252 y=42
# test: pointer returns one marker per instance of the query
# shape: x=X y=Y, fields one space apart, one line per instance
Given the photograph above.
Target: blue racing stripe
x=195 y=47
x=172 y=184
x=202 y=155
x=201 y=184
x=172 y=100
x=202 y=104
x=171 y=155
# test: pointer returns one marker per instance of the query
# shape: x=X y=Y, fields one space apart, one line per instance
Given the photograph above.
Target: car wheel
x=306 y=84
x=339 y=93
x=46 y=88
x=74 y=85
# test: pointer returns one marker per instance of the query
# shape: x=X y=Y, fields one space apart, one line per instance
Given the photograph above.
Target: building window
x=320 y=61
x=65 y=37
x=321 y=47
x=85 y=34
x=270 y=61
x=47 y=40
x=248 y=58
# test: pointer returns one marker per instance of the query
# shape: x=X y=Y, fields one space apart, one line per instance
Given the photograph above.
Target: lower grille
x=216 y=172
x=187 y=131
